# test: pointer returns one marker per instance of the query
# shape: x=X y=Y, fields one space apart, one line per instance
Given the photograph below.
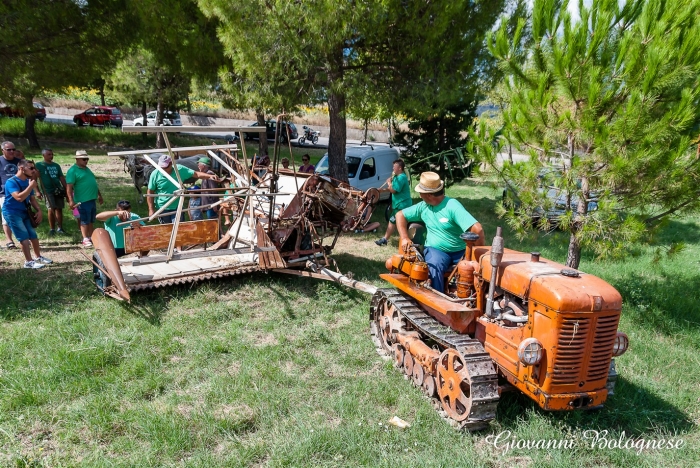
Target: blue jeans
x=211 y=214
x=440 y=262
x=168 y=216
x=20 y=225
x=88 y=212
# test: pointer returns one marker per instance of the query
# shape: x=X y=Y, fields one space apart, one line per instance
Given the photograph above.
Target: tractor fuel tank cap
x=570 y=273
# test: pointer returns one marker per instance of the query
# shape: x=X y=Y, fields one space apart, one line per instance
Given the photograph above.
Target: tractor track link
x=483 y=378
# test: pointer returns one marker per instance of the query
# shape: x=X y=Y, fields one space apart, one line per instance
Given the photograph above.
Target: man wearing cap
x=159 y=184
x=204 y=165
x=445 y=219
x=8 y=169
x=82 y=191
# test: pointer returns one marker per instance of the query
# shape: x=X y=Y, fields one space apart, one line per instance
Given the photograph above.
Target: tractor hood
x=549 y=283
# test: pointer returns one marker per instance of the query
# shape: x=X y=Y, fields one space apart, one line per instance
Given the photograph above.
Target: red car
x=99 y=115
x=7 y=111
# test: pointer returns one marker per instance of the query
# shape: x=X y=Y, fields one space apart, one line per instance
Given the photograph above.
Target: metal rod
x=229 y=168
x=189 y=128
x=173 y=233
x=172 y=160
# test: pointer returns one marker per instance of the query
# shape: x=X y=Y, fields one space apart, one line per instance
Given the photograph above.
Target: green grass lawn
x=270 y=370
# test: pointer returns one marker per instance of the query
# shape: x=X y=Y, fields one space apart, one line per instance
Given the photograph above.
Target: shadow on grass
x=677 y=231
x=632 y=409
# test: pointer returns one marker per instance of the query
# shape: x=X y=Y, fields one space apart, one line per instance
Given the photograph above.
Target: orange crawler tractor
x=507 y=320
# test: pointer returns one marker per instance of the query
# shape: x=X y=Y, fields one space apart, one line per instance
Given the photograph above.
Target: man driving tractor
x=445 y=219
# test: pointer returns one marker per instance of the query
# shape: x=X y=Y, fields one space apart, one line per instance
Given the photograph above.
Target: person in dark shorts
x=53 y=185
x=82 y=191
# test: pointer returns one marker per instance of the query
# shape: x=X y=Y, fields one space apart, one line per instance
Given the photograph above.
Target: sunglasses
x=9 y=149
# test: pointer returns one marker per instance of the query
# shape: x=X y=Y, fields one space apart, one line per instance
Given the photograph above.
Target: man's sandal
x=10 y=245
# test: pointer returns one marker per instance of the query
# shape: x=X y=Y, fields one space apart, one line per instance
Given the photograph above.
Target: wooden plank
x=186 y=148
x=157 y=237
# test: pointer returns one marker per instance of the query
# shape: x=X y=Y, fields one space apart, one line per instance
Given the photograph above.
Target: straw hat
x=429 y=183
x=80 y=154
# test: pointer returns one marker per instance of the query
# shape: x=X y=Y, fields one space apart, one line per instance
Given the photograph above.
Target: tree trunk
x=262 y=145
x=189 y=104
x=144 y=111
x=160 y=141
x=29 y=130
x=102 y=92
x=573 y=257
x=337 y=167
x=366 y=122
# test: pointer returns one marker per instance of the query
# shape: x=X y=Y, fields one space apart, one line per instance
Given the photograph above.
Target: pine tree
x=606 y=105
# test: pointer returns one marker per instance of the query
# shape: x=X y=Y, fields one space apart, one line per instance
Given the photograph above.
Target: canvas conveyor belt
x=484 y=388
x=193 y=278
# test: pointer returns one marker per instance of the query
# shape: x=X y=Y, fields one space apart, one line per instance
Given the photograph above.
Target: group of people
x=445 y=219
x=20 y=180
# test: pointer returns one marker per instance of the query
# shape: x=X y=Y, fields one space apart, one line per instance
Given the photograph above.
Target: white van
x=368 y=166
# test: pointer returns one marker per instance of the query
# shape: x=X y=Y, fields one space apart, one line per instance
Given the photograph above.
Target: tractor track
x=483 y=377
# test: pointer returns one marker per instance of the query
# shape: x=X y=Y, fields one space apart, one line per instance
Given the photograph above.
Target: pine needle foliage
x=606 y=106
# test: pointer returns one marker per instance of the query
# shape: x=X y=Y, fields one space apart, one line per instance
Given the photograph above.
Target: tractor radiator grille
x=571 y=350
x=599 y=362
x=580 y=340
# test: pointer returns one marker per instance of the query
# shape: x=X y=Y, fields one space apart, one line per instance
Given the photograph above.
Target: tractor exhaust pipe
x=496 y=256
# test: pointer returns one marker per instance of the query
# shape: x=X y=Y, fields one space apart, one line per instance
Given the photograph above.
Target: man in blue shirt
x=20 y=190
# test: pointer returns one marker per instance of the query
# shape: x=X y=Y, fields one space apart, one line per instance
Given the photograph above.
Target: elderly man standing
x=53 y=185
x=82 y=191
x=8 y=168
x=445 y=220
x=160 y=185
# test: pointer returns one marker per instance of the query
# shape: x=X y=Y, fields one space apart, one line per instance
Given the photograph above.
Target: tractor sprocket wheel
x=454 y=385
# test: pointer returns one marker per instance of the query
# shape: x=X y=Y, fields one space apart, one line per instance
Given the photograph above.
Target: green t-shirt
x=402 y=198
x=444 y=223
x=50 y=174
x=84 y=183
x=162 y=185
x=116 y=233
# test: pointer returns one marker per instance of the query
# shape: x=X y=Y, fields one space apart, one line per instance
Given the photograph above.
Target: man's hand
x=72 y=204
x=151 y=212
x=100 y=199
x=123 y=215
x=404 y=245
x=32 y=184
x=38 y=217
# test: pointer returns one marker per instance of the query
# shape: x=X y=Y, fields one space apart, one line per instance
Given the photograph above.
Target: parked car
x=8 y=111
x=104 y=116
x=368 y=166
x=556 y=199
x=169 y=118
x=272 y=128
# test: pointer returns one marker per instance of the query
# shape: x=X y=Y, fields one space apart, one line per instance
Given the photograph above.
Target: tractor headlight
x=621 y=344
x=530 y=351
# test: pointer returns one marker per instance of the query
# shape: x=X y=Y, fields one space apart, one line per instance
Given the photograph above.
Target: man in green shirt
x=53 y=185
x=82 y=191
x=160 y=185
x=114 y=217
x=400 y=197
x=445 y=220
